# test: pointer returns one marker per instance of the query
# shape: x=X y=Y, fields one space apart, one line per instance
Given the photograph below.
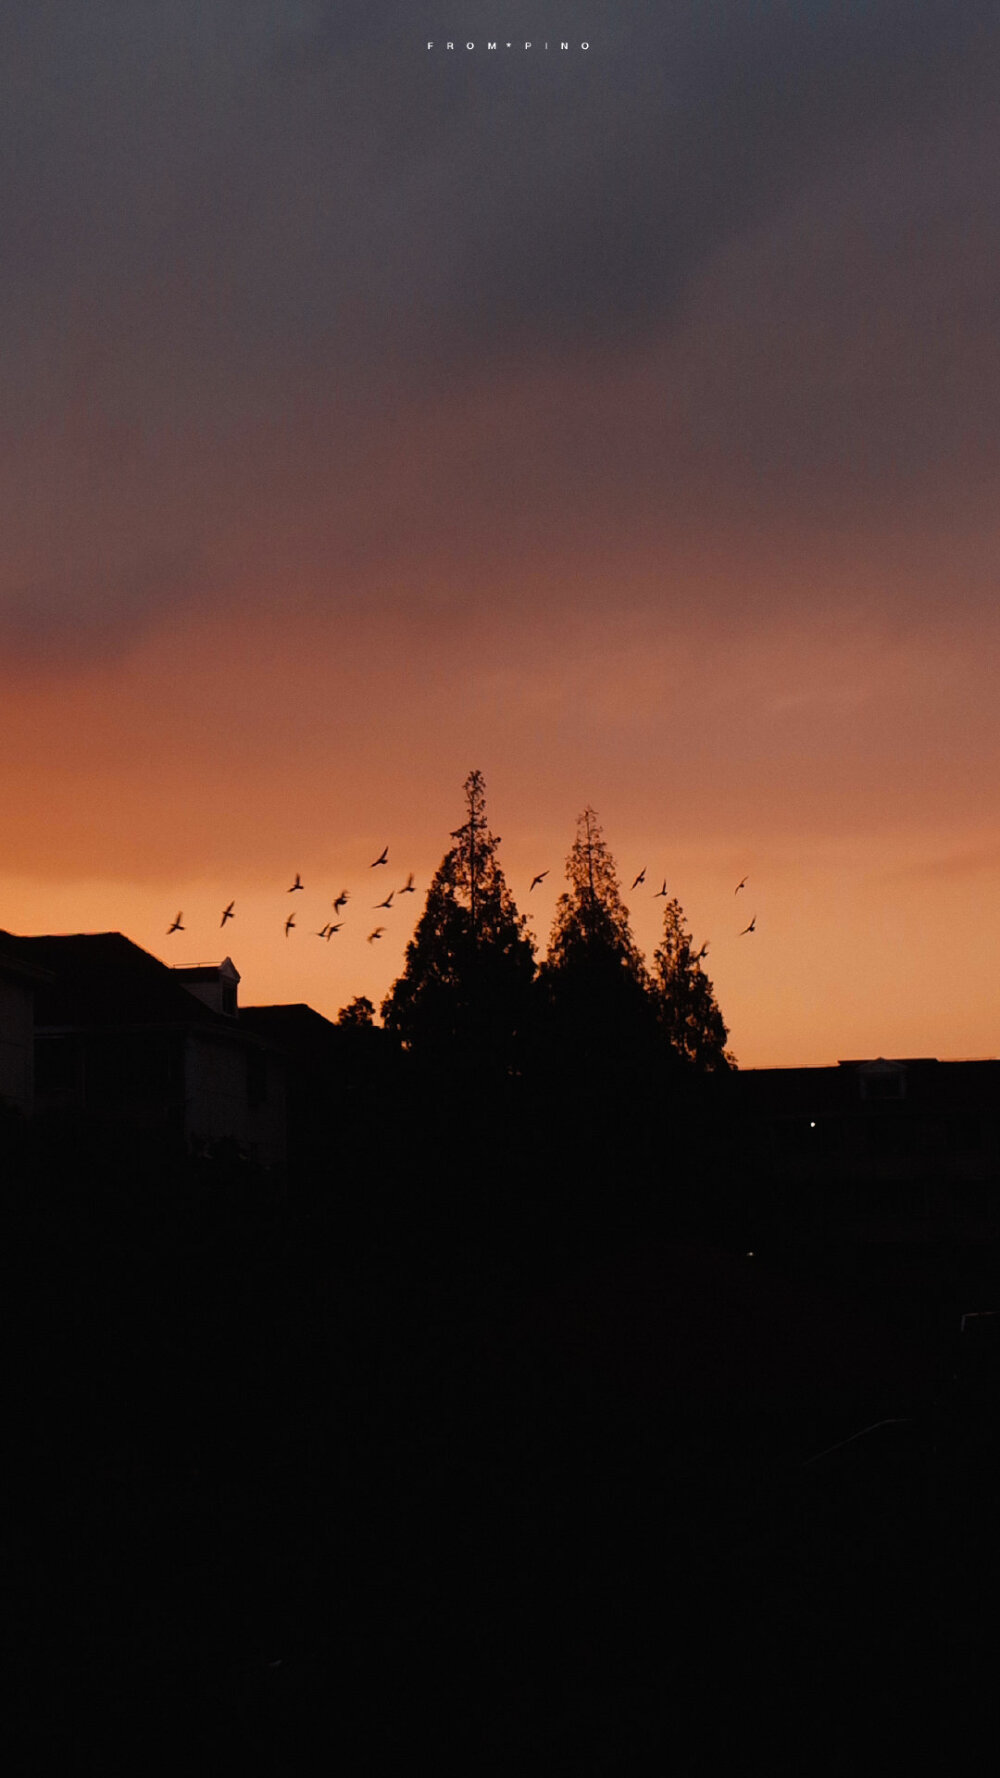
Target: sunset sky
x=623 y=422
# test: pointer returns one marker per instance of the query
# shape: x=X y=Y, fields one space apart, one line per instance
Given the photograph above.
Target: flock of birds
x=408 y=888
x=327 y=931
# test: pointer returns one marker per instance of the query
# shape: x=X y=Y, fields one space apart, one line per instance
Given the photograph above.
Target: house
x=19 y=981
x=878 y=1151
x=122 y=1039
x=343 y=1086
x=313 y=1051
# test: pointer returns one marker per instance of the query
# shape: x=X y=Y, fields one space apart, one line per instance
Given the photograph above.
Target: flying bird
x=641 y=878
x=376 y=934
x=341 y=901
x=408 y=888
x=697 y=958
x=383 y=858
x=749 y=928
x=387 y=903
x=298 y=884
x=331 y=930
x=536 y=880
x=289 y=923
x=325 y=933
x=227 y=913
x=662 y=891
x=741 y=885
x=176 y=927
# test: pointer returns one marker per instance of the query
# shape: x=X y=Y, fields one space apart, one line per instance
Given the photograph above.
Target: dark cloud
x=276 y=281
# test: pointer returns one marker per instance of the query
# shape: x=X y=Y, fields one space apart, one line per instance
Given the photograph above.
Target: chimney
x=214 y=984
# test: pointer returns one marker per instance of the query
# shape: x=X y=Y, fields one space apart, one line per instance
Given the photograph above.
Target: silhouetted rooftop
x=15 y=962
x=202 y=972
x=102 y=978
x=922 y=1078
x=295 y=1019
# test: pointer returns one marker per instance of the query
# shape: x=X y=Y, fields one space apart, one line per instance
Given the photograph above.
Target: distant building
x=342 y=1085
x=123 y=1039
x=314 y=1054
x=877 y=1151
x=20 y=979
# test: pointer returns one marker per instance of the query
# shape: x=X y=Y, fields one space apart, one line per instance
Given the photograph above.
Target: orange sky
x=831 y=768
x=627 y=430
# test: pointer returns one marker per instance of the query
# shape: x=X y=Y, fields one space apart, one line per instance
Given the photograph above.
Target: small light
x=750 y=1254
x=812 y=1126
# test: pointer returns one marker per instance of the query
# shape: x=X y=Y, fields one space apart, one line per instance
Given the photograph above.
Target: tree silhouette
x=359 y=1012
x=464 y=995
x=591 y=928
x=686 y=1006
x=594 y=979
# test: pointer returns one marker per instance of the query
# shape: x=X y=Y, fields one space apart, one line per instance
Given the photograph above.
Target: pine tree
x=591 y=928
x=465 y=992
x=600 y=1026
x=687 y=1010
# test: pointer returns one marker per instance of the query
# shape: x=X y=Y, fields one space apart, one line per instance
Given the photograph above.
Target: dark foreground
x=482 y=1489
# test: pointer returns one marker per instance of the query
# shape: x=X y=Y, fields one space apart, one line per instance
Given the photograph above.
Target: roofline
x=868 y=1062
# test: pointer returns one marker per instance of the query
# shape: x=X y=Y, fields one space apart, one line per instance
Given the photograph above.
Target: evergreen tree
x=686 y=1007
x=465 y=992
x=595 y=984
x=591 y=929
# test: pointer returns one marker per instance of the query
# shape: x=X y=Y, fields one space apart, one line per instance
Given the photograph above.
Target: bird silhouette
x=641 y=878
x=325 y=933
x=662 y=891
x=176 y=927
x=383 y=857
x=699 y=955
x=376 y=934
x=749 y=928
x=227 y=913
x=298 y=884
x=741 y=885
x=341 y=902
x=408 y=888
x=387 y=903
x=536 y=880
x=331 y=930
x=289 y=923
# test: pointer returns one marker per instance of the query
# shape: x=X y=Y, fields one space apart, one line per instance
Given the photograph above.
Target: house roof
x=102 y=978
x=930 y=1084
x=294 y=1020
x=204 y=972
x=13 y=961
